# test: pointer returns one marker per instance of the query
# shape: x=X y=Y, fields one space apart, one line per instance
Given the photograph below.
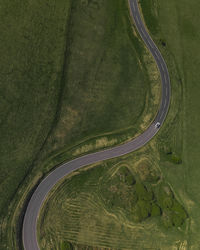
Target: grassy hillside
x=175 y=151
x=110 y=93
x=74 y=79
x=121 y=204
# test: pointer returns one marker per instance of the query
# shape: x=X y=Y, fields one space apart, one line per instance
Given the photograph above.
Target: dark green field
x=74 y=79
x=32 y=47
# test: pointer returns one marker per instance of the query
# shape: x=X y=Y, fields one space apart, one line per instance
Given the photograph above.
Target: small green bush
x=143 y=209
x=177 y=220
x=176 y=159
x=179 y=210
x=164 y=197
x=167 y=221
x=155 y=211
x=167 y=203
x=130 y=180
x=133 y=198
x=66 y=246
x=142 y=192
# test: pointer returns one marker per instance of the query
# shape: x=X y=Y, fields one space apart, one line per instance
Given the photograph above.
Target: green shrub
x=167 y=202
x=143 y=210
x=177 y=220
x=142 y=192
x=164 y=196
x=155 y=211
x=127 y=176
x=179 y=210
x=173 y=212
x=133 y=198
x=66 y=246
x=175 y=215
x=167 y=221
x=176 y=159
x=130 y=180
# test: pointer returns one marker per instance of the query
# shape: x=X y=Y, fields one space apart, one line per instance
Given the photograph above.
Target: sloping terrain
x=121 y=204
x=74 y=79
x=174 y=27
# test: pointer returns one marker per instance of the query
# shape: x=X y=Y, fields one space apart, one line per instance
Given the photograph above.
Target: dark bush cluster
x=143 y=200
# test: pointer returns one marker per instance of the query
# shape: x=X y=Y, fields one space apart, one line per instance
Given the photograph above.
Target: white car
x=157 y=125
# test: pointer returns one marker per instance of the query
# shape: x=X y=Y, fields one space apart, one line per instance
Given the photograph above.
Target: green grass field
x=110 y=93
x=179 y=26
x=120 y=204
x=174 y=151
x=74 y=79
x=32 y=49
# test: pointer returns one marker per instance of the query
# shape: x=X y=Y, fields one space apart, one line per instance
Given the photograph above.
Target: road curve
x=29 y=233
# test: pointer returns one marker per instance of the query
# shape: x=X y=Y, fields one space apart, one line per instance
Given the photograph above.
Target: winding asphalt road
x=30 y=219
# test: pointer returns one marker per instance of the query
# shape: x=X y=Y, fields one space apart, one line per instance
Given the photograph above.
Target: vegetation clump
x=141 y=200
x=173 y=156
x=176 y=159
x=155 y=210
x=148 y=174
x=65 y=245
